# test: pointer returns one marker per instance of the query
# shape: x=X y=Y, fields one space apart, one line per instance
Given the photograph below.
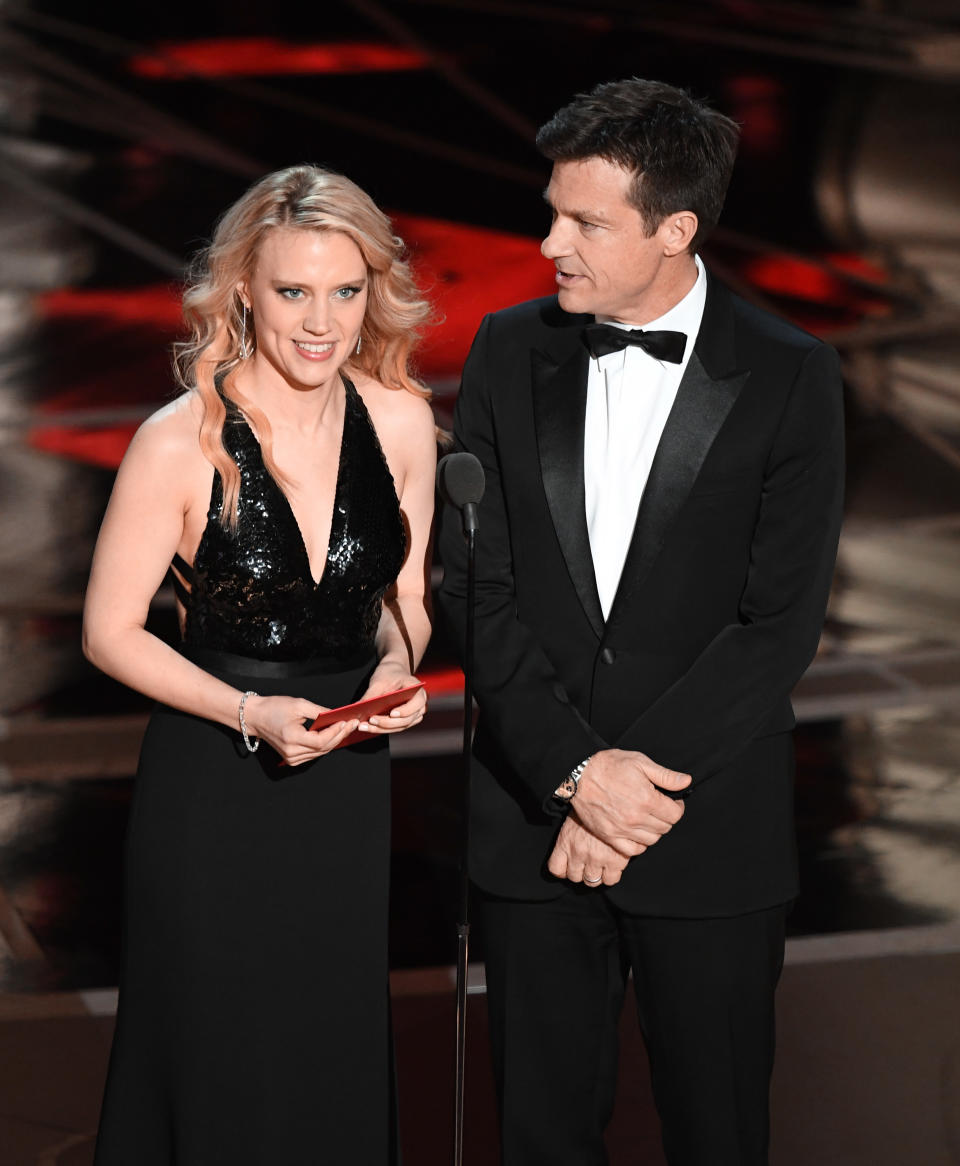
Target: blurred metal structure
x=894 y=38
x=42 y=506
x=890 y=183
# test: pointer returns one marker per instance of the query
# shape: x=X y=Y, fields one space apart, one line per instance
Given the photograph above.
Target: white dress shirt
x=629 y=397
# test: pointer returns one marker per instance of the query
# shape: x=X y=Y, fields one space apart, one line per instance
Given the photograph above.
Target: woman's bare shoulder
x=173 y=431
x=166 y=448
x=397 y=413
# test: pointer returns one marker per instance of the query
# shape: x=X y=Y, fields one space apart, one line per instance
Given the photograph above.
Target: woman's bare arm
x=409 y=438
x=162 y=476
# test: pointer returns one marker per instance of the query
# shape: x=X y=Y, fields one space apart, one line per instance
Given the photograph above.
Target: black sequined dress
x=253 y=1024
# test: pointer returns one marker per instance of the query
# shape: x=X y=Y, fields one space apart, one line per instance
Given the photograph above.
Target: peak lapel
x=559 y=405
x=700 y=409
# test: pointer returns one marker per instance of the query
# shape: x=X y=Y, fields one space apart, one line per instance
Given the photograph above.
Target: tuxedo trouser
x=556 y=975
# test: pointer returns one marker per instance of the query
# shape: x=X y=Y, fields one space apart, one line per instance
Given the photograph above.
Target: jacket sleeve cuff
x=559 y=763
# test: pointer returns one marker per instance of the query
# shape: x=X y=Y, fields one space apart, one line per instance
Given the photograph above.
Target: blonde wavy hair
x=307 y=198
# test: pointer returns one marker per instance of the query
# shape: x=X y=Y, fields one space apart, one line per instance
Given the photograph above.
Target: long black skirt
x=253 y=1025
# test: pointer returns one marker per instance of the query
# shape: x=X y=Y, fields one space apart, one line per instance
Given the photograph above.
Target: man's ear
x=677 y=232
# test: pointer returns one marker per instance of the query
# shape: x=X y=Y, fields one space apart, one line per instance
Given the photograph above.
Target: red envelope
x=362 y=710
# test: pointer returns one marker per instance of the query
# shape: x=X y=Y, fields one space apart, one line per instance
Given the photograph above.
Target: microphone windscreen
x=460 y=479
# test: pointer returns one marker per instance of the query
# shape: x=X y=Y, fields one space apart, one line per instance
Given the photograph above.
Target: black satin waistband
x=276 y=669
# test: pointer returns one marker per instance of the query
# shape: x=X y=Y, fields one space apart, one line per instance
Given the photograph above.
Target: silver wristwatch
x=567 y=788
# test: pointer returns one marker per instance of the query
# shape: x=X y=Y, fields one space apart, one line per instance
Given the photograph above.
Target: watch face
x=565 y=791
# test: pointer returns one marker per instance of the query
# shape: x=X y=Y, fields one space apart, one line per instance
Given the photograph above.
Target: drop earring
x=246 y=348
x=359 y=341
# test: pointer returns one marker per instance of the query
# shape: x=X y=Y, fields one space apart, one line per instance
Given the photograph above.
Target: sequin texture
x=252 y=592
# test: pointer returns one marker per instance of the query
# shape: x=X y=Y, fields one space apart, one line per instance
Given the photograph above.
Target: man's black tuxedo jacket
x=718 y=612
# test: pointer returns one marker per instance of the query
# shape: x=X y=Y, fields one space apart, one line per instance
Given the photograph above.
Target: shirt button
x=608 y=655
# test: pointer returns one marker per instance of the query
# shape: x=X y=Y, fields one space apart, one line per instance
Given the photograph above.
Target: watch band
x=567 y=788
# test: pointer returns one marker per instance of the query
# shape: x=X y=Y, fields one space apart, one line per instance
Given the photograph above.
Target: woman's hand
x=280 y=720
x=389 y=676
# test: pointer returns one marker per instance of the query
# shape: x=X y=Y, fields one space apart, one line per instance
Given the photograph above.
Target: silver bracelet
x=252 y=745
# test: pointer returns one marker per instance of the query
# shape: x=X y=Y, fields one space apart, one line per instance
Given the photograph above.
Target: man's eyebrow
x=587 y=216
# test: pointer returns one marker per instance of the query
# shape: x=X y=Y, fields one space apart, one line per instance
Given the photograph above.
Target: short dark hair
x=679 y=150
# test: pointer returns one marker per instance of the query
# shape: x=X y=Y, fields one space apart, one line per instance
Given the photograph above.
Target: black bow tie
x=602 y=339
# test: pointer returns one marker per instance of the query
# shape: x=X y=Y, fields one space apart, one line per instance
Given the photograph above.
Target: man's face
x=606 y=263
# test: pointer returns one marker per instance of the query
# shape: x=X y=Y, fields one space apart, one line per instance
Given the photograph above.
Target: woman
x=291 y=486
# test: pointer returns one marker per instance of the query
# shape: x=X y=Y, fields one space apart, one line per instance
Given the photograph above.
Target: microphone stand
x=463 y=915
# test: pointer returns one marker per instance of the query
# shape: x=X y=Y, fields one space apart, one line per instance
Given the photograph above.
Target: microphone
x=460 y=480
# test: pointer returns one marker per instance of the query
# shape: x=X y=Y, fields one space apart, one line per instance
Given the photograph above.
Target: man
x=655 y=550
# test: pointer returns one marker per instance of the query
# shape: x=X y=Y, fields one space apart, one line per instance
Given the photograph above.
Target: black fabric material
x=183 y=568
x=699 y=411
x=559 y=404
x=252 y=592
x=602 y=339
x=253 y=1024
x=556 y=975
x=181 y=577
x=247 y=666
x=717 y=615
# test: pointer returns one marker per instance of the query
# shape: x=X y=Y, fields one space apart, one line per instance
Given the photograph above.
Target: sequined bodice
x=252 y=592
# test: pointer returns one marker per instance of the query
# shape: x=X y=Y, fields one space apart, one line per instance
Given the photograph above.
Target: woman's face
x=308 y=295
